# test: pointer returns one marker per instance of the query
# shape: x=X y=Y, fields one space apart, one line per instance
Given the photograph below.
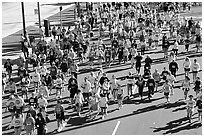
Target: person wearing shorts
x=190 y=107
x=73 y=87
x=59 y=113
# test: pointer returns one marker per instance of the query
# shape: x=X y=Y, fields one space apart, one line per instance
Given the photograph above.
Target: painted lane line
x=116 y=127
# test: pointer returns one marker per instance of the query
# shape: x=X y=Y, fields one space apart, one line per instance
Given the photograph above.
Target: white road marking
x=116 y=127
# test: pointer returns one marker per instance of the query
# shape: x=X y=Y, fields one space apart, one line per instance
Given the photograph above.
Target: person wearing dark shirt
x=138 y=64
x=164 y=74
x=40 y=124
x=140 y=84
x=199 y=109
x=64 y=66
x=48 y=81
x=33 y=101
x=114 y=43
x=120 y=54
x=53 y=71
x=173 y=67
x=198 y=85
x=73 y=87
x=148 y=60
x=102 y=79
x=8 y=66
x=71 y=79
x=187 y=43
x=151 y=86
x=108 y=56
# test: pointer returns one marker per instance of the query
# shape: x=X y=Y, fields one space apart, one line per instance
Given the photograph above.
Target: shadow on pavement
x=177 y=123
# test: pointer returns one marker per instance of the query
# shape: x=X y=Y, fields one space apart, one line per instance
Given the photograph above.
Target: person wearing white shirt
x=58 y=85
x=86 y=88
x=103 y=103
x=114 y=85
x=92 y=79
x=187 y=66
x=42 y=102
x=195 y=67
x=43 y=90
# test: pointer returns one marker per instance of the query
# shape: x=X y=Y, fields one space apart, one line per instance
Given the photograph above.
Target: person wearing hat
x=190 y=104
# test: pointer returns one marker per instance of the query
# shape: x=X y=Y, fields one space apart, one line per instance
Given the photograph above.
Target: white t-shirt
x=103 y=102
x=86 y=87
x=42 y=102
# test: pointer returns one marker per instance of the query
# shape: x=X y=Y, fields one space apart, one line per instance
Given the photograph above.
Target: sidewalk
x=11 y=46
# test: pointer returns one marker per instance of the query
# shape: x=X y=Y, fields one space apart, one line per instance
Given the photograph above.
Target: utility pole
x=23 y=16
x=60 y=17
x=39 y=14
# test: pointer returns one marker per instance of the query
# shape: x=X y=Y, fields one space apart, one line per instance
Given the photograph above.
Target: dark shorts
x=54 y=77
x=199 y=111
x=186 y=69
x=195 y=71
x=119 y=96
x=103 y=107
x=11 y=110
x=166 y=94
x=58 y=87
x=19 y=110
x=157 y=82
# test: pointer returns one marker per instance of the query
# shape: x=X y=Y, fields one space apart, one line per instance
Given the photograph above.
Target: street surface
x=136 y=117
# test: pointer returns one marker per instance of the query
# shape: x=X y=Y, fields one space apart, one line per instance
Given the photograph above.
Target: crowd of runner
x=133 y=29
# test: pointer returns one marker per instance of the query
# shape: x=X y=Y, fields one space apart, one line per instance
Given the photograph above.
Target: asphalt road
x=136 y=117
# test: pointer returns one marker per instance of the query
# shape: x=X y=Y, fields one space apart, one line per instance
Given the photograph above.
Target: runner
x=29 y=124
x=10 y=106
x=173 y=67
x=25 y=82
x=187 y=66
x=59 y=113
x=195 y=67
x=199 y=108
x=11 y=87
x=103 y=103
x=114 y=85
x=130 y=84
x=58 y=86
x=36 y=79
x=40 y=124
x=157 y=79
x=198 y=85
x=151 y=86
x=17 y=123
x=120 y=93
x=79 y=99
x=167 y=88
x=186 y=86
x=190 y=107
x=140 y=83
x=86 y=89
